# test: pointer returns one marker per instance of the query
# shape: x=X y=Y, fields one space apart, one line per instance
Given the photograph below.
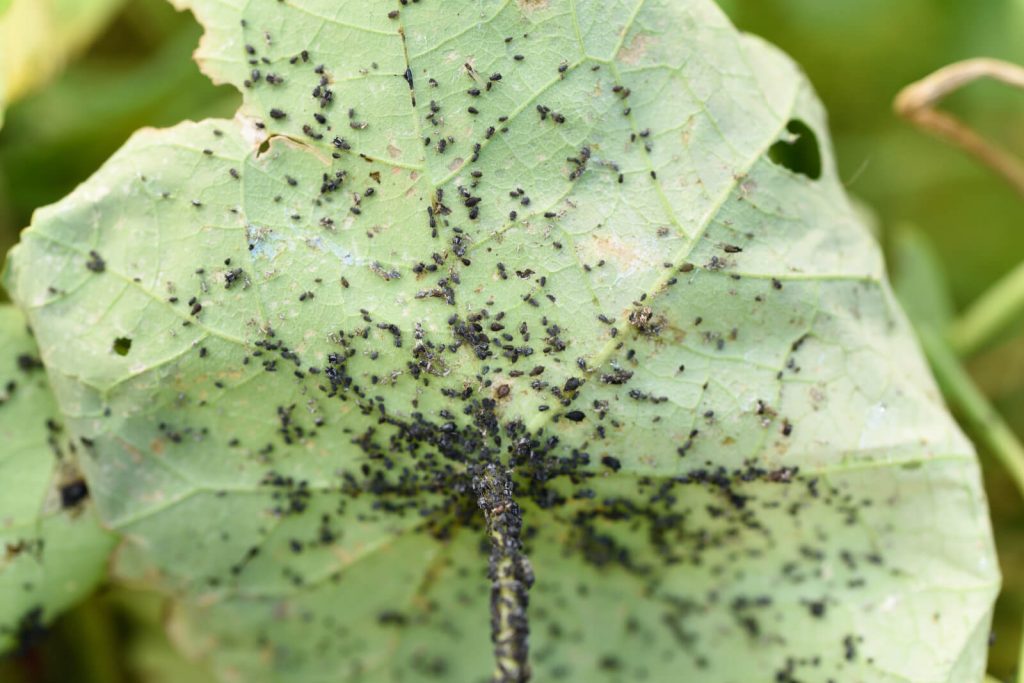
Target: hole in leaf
x=798 y=150
x=122 y=345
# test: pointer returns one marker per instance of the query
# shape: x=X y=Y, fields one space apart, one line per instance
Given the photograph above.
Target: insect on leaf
x=478 y=295
x=54 y=552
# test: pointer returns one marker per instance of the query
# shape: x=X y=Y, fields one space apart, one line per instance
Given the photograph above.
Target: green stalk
x=992 y=313
x=979 y=417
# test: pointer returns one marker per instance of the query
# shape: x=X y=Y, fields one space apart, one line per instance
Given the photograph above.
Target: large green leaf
x=585 y=268
x=54 y=550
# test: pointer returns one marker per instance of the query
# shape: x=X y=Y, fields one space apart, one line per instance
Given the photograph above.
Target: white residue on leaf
x=343 y=255
x=252 y=135
x=875 y=424
x=264 y=242
x=890 y=603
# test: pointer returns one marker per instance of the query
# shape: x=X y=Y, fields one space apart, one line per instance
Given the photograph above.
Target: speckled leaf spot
x=500 y=339
x=54 y=551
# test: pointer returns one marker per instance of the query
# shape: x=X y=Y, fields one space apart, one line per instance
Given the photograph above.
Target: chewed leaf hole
x=798 y=150
x=122 y=345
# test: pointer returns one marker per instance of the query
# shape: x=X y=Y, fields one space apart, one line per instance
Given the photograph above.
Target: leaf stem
x=999 y=307
x=510 y=574
x=918 y=104
x=966 y=399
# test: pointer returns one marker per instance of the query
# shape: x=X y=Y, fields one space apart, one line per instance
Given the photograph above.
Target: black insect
x=96 y=263
x=73 y=493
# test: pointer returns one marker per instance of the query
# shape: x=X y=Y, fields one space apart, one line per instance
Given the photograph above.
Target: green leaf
x=55 y=552
x=729 y=457
x=993 y=316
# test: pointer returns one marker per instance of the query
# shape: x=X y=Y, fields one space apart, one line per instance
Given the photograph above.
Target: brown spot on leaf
x=633 y=53
x=532 y=5
x=12 y=550
x=627 y=256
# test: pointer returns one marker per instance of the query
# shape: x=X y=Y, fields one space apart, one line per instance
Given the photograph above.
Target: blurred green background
x=128 y=65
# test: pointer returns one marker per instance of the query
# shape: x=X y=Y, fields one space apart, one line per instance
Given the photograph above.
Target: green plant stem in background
x=974 y=409
x=993 y=312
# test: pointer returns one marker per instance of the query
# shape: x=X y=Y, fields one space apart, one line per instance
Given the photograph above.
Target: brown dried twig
x=918 y=104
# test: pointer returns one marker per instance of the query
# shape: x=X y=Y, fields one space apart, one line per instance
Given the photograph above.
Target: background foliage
x=858 y=54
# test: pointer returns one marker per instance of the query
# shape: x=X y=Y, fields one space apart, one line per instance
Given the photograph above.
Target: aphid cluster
x=439 y=342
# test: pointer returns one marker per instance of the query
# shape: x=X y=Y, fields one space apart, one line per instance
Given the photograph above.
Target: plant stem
x=999 y=307
x=510 y=574
x=966 y=399
x=917 y=103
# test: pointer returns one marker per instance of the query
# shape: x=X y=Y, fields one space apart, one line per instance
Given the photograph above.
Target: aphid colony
x=484 y=401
